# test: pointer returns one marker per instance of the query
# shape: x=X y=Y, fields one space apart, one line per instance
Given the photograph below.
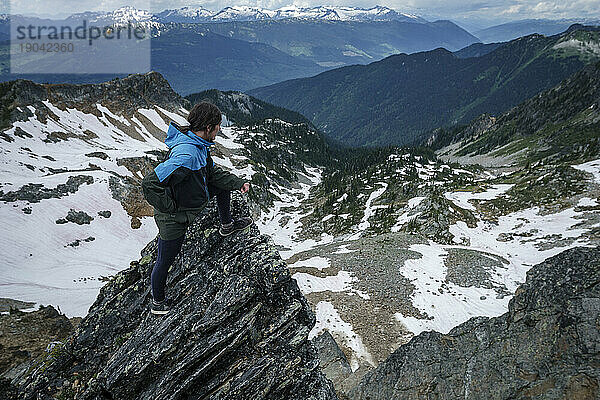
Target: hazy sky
x=498 y=10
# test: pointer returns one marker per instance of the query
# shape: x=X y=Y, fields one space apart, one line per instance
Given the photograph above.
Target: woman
x=181 y=186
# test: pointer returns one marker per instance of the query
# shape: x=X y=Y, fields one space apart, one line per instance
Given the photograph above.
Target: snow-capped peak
x=126 y=14
x=249 y=13
x=185 y=14
x=130 y=14
x=121 y=15
x=242 y=13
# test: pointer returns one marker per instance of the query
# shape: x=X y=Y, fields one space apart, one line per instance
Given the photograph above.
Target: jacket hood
x=175 y=137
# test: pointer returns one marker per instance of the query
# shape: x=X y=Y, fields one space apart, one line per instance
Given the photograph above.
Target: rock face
x=34 y=193
x=238 y=329
x=129 y=94
x=547 y=346
x=333 y=360
x=25 y=335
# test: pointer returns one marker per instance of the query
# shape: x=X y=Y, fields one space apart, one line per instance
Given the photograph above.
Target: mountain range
x=400 y=98
x=337 y=43
x=515 y=29
x=198 y=14
x=246 y=53
x=379 y=268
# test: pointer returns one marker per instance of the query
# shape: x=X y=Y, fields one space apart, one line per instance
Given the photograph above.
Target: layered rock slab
x=238 y=329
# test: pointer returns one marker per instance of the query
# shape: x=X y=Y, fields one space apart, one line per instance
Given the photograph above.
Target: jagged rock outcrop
x=547 y=346
x=127 y=94
x=25 y=335
x=238 y=329
x=334 y=363
x=34 y=193
x=434 y=216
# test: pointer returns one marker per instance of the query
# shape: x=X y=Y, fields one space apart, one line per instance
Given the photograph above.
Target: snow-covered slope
x=344 y=13
x=57 y=157
x=121 y=15
x=185 y=14
x=334 y=13
x=72 y=160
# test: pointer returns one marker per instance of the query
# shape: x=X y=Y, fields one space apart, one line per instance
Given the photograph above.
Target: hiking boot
x=235 y=226
x=160 y=307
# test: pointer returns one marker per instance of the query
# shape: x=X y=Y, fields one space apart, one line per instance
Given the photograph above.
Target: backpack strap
x=168 y=154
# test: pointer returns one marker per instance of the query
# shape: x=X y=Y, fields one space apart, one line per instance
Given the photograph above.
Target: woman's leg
x=167 y=251
x=223 y=203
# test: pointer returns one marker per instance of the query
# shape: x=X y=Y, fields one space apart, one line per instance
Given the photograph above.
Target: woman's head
x=203 y=117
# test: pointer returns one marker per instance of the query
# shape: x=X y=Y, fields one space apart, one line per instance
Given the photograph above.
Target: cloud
x=506 y=9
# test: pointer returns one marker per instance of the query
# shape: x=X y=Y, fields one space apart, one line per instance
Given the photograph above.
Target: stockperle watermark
x=34 y=34
x=84 y=43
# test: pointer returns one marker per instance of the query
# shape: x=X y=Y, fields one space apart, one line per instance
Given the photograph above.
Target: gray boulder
x=332 y=359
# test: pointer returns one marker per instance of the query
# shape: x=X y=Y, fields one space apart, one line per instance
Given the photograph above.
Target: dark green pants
x=173 y=226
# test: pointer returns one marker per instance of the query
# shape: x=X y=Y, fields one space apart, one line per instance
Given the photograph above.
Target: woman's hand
x=245 y=187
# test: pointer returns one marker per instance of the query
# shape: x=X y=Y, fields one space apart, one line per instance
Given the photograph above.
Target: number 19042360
x=47 y=47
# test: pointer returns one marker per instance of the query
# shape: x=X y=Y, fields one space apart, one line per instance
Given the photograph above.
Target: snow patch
x=329 y=319
x=317 y=262
x=592 y=167
x=462 y=199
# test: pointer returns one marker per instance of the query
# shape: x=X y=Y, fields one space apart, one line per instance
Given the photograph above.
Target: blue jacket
x=186 y=150
x=181 y=181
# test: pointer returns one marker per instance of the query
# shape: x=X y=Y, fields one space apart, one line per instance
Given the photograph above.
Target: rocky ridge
x=547 y=346
x=238 y=329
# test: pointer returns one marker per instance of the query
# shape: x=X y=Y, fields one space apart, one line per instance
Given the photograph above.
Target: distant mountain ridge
x=515 y=29
x=559 y=124
x=337 y=13
x=361 y=105
x=197 y=59
x=332 y=43
x=198 y=14
x=243 y=54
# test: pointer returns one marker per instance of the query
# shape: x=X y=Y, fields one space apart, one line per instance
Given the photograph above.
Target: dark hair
x=203 y=116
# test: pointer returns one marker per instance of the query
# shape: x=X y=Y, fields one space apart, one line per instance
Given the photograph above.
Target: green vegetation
x=538 y=185
x=560 y=125
x=428 y=90
x=339 y=200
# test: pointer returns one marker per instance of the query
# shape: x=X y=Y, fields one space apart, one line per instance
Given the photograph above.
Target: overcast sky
x=476 y=10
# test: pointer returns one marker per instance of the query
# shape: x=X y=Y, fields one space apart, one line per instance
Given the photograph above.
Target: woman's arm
x=222 y=179
x=157 y=193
